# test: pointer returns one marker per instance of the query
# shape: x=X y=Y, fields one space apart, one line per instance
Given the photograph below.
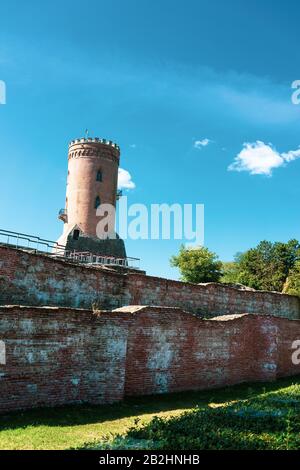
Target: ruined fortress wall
x=34 y=279
x=287 y=337
x=209 y=300
x=171 y=351
x=56 y=356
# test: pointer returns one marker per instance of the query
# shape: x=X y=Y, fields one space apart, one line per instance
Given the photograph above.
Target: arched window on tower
x=97 y=202
x=99 y=175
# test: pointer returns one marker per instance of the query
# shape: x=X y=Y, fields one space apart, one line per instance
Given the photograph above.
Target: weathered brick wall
x=32 y=279
x=56 y=356
x=171 y=351
x=208 y=300
x=287 y=334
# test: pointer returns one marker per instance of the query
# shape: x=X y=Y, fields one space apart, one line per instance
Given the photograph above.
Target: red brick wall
x=57 y=356
x=30 y=279
x=208 y=300
x=171 y=351
x=288 y=332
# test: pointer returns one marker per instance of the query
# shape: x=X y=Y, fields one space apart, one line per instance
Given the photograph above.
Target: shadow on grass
x=251 y=424
x=133 y=407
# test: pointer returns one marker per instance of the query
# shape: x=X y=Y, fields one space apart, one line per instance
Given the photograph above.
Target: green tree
x=197 y=265
x=267 y=266
x=231 y=272
x=292 y=285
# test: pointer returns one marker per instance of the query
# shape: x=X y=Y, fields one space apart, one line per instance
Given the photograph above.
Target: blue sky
x=157 y=77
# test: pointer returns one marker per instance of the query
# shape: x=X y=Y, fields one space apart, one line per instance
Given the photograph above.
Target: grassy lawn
x=244 y=416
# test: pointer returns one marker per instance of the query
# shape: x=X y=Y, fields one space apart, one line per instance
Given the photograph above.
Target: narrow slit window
x=99 y=175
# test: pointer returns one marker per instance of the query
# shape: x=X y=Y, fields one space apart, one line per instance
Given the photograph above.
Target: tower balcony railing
x=36 y=244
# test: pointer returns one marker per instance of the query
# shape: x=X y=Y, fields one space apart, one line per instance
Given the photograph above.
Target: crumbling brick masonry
x=34 y=279
x=58 y=356
x=89 y=334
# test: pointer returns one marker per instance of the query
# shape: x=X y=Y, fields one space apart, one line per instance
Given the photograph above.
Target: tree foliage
x=197 y=265
x=292 y=285
x=265 y=267
x=269 y=266
x=230 y=272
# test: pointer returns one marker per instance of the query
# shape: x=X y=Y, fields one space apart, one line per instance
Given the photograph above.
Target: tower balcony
x=62 y=215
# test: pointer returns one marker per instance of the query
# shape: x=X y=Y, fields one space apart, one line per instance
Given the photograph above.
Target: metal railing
x=92 y=258
x=54 y=249
x=31 y=242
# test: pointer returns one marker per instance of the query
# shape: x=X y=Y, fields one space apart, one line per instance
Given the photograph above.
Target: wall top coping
x=142 y=308
x=62 y=312
x=134 y=309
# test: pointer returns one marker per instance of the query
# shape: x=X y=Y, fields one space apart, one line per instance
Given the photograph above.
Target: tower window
x=97 y=202
x=76 y=234
x=99 y=175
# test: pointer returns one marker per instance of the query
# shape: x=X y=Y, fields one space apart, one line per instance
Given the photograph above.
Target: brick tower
x=92 y=180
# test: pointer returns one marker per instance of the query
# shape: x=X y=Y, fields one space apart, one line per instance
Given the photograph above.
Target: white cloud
x=124 y=180
x=259 y=158
x=199 y=144
x=291 y=155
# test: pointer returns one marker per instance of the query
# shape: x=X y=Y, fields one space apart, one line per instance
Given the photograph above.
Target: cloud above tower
x=125 y=180
x=259 y=158
x=199 y=144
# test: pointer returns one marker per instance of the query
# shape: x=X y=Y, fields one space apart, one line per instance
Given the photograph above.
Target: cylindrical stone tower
x=92 y=180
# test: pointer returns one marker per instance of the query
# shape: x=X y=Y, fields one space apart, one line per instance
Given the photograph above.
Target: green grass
x=254 y=416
